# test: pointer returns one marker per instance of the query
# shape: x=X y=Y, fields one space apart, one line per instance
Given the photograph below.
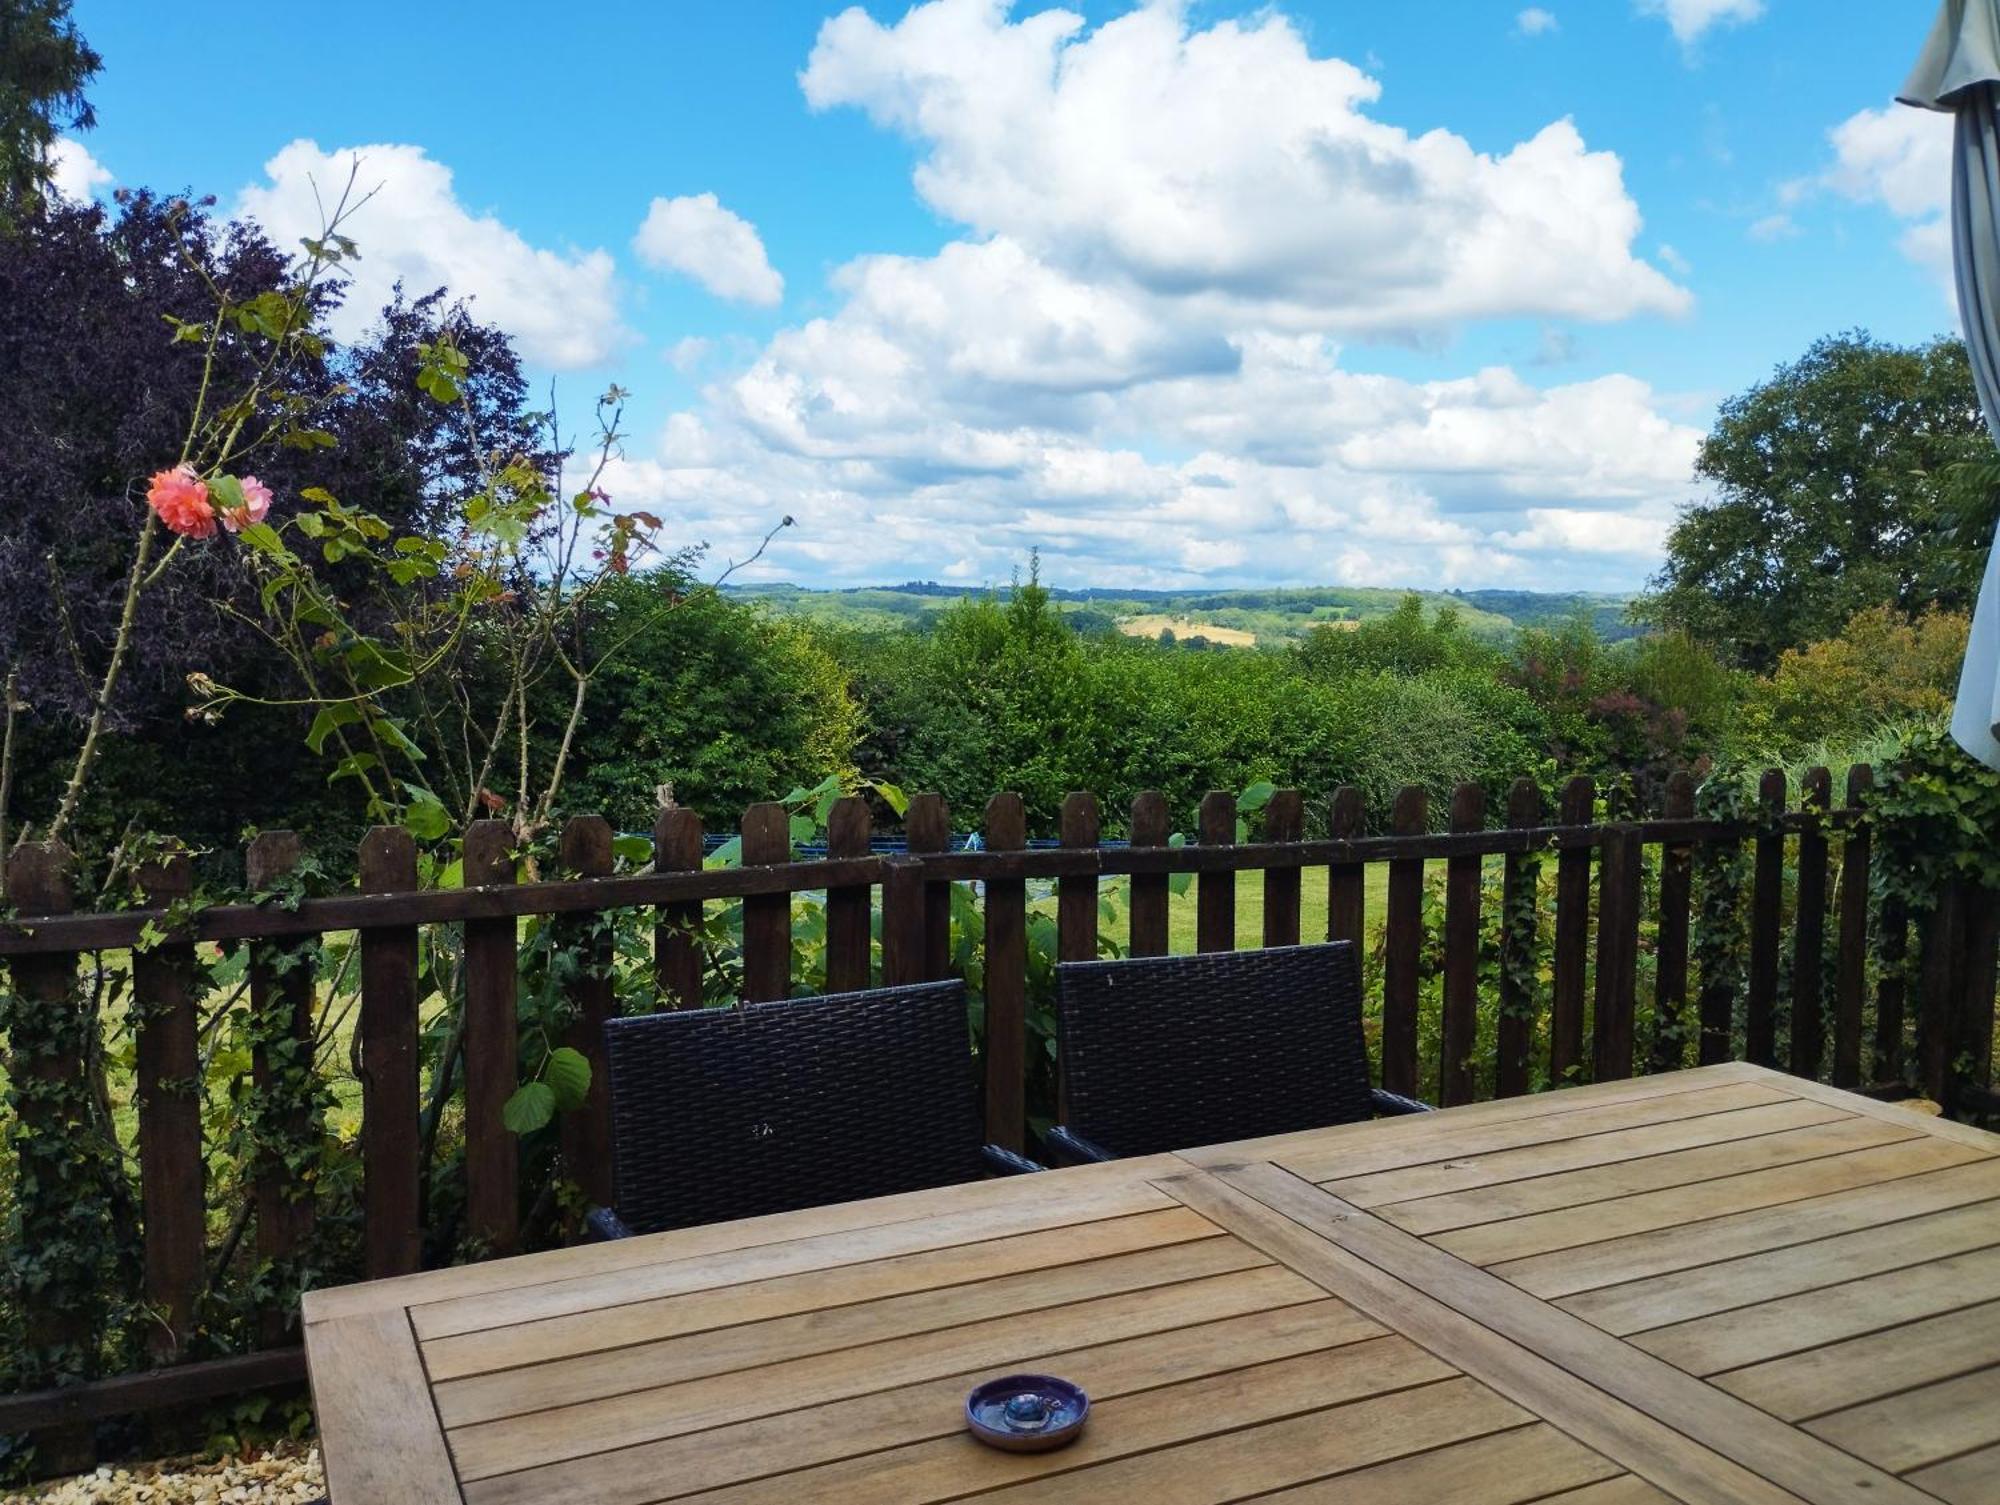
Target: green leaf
x=531 y=1107
x=227 y=493
x=803 y=829
x=568 y=1074
x=426 y=819
x=263 y=538
x=729 y=854
x=893 y=796
x=353 y=766
x=632 y=848
x=329 y=720
x=1256 y=797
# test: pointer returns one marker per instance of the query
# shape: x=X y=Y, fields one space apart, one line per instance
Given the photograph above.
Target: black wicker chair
x=1168 y=1052
x=728 y=1113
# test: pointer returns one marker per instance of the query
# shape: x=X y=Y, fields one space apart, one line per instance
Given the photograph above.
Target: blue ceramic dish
x=1026 y=1413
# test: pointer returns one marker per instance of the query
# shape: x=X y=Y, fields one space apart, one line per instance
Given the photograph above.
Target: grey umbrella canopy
x=1959 y=73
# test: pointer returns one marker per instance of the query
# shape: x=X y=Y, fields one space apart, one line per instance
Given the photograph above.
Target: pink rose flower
x=257 y=506
x=180 y=498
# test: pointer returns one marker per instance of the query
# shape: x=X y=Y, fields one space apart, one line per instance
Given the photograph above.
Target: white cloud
x=1900 y=159
x=1773 y=227
x=74 y=173
x=1133 y=359
x=1690 y=19
x=1230 y=170
x=719 y=249
x=1674 y=262
x=560 y=306
x=1535 y=21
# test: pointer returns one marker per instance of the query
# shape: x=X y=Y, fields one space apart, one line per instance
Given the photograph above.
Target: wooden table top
x=1722 y=1287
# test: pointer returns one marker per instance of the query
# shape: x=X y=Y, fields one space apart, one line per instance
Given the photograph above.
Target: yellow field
x=1187 y=627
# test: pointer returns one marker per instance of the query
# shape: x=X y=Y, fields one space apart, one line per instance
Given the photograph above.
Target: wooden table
x=1723 y=1287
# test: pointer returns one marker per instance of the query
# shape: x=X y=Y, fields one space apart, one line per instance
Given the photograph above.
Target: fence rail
x=1828 y=978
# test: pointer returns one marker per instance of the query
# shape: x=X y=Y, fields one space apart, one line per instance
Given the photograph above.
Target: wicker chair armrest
x=1004 y=1162
x=1389 y=1104
x=604 y=1225
x=1068 y=1148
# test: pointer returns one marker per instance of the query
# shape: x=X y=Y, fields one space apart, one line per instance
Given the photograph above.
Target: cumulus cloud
x=1535 y=22
x=1899 y=159
x=719 y=249
x=1229 y=169
x=1773 y=227
x=74 y=173
x=1142 y=355
x=1691 y=19
x=561 y=307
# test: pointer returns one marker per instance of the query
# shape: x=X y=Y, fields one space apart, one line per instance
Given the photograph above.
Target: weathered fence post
x=1215 y=888
x=1760 y=1026
x=928 y=824
x=1149 y=890
x=1943 y=941
x=1403 y=947
x=1670 y=969
x=1809 y=927
x=1284 y=820
x=903 y=943
x=492 y=1194
x=62 y=1321
x=391 y=1136
x=1572 y=943
x=767 y=918
x=172 y=1189
x=1347 y=882
x=849 y=964
x=677 y=965
x=1006 y=979
x=585 y=849
x=1514 y=1040
x=1076 y=893
x=1459 y=1032
x=1851 y=975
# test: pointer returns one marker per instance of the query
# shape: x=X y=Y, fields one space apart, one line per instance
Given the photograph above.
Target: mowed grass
x=1181 y=909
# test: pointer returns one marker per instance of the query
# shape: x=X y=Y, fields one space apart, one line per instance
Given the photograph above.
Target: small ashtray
x=1026 y=1413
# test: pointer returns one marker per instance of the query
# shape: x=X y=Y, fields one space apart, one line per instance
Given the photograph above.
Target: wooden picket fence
x=1809 y=873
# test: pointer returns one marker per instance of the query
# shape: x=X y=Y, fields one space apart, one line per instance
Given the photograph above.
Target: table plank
x=1919 y=1427
x=1550 y=1192
x=378 y=1432
x=850 y=1426
x=1840 y=1375
x=1973 y=1479
x=751 y=1345
x=1771 y=1329
x=1284 y=1219
x=1521 y=1238
x=1757 y=1442
x=1465 y=1167
x=1685 y=1294
x=644 y=1416
x=1502 y=1468
x=1663 y=1251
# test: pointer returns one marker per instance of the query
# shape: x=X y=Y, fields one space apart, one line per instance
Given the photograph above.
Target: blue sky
x=1319 y=292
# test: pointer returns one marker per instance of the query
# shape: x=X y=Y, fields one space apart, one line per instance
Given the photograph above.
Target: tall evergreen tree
x=45 y=64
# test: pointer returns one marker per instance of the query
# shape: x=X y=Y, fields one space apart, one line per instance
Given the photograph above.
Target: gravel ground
x=289 y=1476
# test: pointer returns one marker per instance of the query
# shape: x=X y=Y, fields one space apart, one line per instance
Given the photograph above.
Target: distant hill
x=1270 y=617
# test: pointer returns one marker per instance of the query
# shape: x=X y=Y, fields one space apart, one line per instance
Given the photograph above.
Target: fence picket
x=928 y=824
x=1851 y=976
x=1076 y=893
x=492 y=1196
x=585 y=850
x=1459 y=1035
x=1620 y=875
x=1970 y=1056
x=1572 y=944
x=1760 y=1027
x=1215 y=892
x=848 y=961
x=168 y=1090
x=903 y=943
x=1515 y=1031
x=1006 y=979
x=1943 y=939
x=1809 y=929
x=1891 y=988
x=677 y=965
x=767 y=918
x=1403 y=946
x=281 y=999
x=1284 y=820
x=391 y=1136
x=1347 y=882
x=1149 y=890
x=1670 y=968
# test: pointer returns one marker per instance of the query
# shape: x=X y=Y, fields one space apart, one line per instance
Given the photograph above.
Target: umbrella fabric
x=1959 y=72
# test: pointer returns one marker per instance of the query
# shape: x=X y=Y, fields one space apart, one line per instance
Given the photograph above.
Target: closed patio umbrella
x=1959 y=72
